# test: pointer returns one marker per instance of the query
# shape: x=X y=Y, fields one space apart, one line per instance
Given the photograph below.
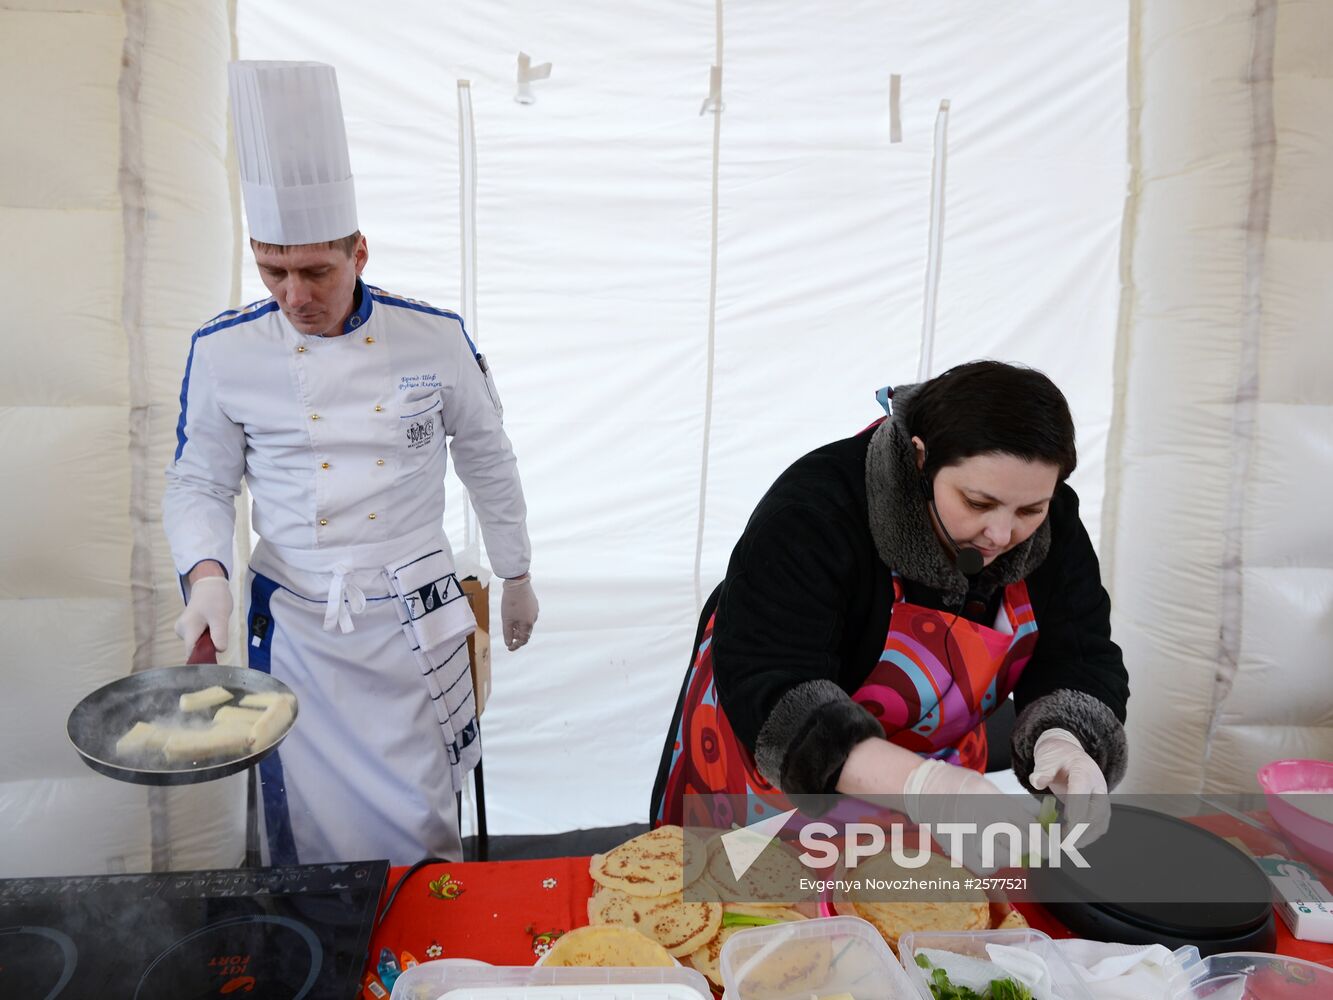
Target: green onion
x=746 y=920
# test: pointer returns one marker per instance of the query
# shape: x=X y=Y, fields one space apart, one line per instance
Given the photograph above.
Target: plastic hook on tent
x=526 y=74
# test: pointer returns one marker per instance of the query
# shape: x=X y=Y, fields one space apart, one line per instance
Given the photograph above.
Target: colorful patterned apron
x=938 y=678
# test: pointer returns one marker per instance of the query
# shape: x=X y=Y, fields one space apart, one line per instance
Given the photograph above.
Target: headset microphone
x=970 y=562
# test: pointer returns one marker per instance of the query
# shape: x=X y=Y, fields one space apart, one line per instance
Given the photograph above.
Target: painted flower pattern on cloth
x=549 y=883
x=544 y=942
x=433 y=950
x=445 y=887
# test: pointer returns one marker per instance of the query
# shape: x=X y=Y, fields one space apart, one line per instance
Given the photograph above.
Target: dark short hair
x=989 y=407
x=347 y=244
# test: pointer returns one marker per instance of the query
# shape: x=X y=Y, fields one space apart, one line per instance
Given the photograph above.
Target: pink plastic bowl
x=1310 y=834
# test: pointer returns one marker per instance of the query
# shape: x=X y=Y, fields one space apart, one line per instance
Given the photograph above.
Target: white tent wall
x=1217 y=521
x=117 y=215
x=595 y=217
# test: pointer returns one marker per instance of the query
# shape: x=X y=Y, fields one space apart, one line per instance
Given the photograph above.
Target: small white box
x=1304 y=902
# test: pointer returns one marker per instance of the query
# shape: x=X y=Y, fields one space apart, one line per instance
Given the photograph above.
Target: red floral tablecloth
x=502 y=912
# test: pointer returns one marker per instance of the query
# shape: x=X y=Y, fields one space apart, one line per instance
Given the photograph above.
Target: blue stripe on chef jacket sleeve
x=277 y=815
x=389 y=299
x=221 y=321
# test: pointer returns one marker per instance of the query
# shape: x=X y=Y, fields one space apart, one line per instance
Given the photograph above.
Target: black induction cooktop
x=292 y=933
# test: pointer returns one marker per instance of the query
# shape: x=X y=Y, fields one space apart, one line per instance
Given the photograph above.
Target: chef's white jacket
x=341 y=439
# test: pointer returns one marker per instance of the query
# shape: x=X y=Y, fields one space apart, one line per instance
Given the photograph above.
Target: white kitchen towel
x=437 y=609
x=1122 y=971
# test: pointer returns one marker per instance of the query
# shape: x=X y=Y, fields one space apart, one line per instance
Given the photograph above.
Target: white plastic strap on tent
x=468 y=561
x=711 y=103
x=895 y=107
x=936 y=242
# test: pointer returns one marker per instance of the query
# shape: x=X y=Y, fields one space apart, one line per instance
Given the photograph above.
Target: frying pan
x=107 y=714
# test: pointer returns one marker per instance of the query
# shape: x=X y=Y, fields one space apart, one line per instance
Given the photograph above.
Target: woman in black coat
x=890 y=591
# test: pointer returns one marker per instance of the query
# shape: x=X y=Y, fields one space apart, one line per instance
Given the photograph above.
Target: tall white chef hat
x=292 y=146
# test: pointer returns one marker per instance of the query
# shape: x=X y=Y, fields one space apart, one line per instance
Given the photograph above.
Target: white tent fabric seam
x=934 y=242
x=470 y=558
x=1263 y=150
x=714 y=104
x=143 y=530
x=1115 y=435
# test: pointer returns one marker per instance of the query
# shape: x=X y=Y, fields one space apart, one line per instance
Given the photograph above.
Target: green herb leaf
x=1049 y=811
x=942 y=989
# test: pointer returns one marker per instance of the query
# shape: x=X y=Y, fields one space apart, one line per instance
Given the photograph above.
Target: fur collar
x=900 y=520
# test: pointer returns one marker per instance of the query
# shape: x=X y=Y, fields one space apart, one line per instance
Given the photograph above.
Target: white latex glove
x=518 y=611
x=209 y=608
x=936 y=792
x=1060 y=764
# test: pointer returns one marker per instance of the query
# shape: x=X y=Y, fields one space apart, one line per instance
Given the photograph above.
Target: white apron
x=373 y=641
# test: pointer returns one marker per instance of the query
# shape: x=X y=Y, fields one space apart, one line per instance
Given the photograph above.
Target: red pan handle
x=204 y=651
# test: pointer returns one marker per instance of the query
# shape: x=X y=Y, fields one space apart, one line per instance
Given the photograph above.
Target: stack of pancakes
x=641 y=885
x=666 y=885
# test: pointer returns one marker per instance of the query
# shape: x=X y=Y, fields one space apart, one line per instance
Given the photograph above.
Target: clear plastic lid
x=825 y=958
x=1253 y=976
x=1065 y=983
x=449 y=978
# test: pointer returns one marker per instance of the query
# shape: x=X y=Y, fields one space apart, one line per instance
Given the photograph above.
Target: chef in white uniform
x=334 y=400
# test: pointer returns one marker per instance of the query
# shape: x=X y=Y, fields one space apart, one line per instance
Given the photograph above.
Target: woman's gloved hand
x=938 y=793
x=1060 y=764
x=209 y=608
x=518 y=611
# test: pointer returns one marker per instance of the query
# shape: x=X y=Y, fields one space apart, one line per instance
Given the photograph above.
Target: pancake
x=893 y=920
x=799 y=968
x=678 y=926
x=1013 y=920
x=895 y=912
x=773 y=880
x=661 y=862
x=614 y=947
x=706 y=958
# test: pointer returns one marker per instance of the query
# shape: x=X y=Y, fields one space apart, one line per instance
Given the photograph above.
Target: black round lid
x=1165 y=875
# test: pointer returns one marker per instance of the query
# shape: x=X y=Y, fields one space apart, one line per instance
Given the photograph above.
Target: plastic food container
x=1066 y=982
x=819 y=958
x=1253 y=976
x=448 y=980
x=1312 y=835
